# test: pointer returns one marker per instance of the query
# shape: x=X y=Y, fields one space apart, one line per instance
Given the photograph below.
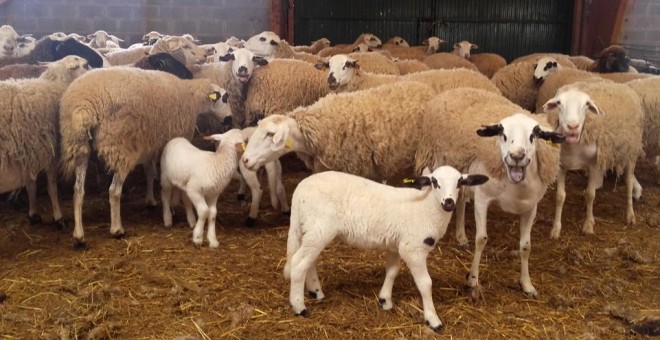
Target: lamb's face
x=342 y=70
x=263 y=44
x=517 y=140
x=25 y=44
x=543 y=67
x=372 y=40
x=243 y=63
x=269 y=141
x=463 y=49
x=219 y=102
x=573 y=106
x=446 y=182
x=8 y=41
x=433 y=44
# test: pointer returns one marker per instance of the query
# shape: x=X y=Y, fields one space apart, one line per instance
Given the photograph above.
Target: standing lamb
x=127 y=115
x=603 y=124
x=519 y=163
x=406 y=223
x=202 y=176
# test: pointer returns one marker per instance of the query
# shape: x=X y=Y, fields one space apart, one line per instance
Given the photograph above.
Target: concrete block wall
x=208 y=20
x=641 y=29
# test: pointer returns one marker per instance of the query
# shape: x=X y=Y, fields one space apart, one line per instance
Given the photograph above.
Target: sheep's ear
x=490 y=130
x=591 y=106
x=227 y=57
x=425 y=42
x=322 y=64
x=356 y=49
x=353 y=64
x=279 y=138
x=214 y=96
x=225 y=98
x=554 y=137
x=259 y=61
x=418 y=182
x=474 y=47
x=470 y=180
x=217 y=137
x=551 y=104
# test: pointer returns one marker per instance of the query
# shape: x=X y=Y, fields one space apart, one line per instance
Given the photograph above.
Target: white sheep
x=397 y=41
x=555 y=80
x=101 y=38
x=429 y=46
x=314 y=48
x=518 y=162
x=647 y=89
x=463 y=49
x=202 y=176
x=603 y=124
x=448 y=61
x=24 y=44
x=405 y=222
x=8 y=41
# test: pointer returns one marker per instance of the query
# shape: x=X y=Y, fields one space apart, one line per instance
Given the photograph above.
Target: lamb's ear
x=322 y=64
x=470 y=180
x=554 y=137
x=490 y=130
x=279 y=138
x=260 y=61
x=418 y=182
x=474 y=47
x=551 y=104
x=591 y=106
x=217 y=137
x=227 y=57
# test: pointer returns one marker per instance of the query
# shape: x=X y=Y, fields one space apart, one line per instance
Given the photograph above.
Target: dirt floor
x=154 y=283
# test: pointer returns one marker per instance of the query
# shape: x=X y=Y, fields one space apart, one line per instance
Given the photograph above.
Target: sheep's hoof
x=240 y=197
x=385 y=304
x=438 y=329
x=381 y=301
x=119 y=235
x=150 y=206
x=250 y=222
x=79 y=244
x=312 y=294
x=465 y=246
x=474 y=293
x=638 y=199
x=60 y=224
x=287 y=213
x=304 y=313
x=34 y=219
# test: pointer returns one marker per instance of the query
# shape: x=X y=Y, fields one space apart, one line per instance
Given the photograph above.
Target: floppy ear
x=490 y=130
x=470 y=180
x=591 y=106
x=216 y=137
x=227 y=57
x=323 y=63
x=457 y=46
x=551 y=105
x=474 y=47
x=418 y=182
x=280 y=137
x=260 y=61
x=554 y=137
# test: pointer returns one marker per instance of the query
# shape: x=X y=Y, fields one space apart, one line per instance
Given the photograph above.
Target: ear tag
x=408 y=180
x=288 y=144
x=549 y=142
x=213 y=96
x=243 y=147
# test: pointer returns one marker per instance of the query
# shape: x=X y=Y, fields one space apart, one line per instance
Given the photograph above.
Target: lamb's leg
x=242 y=188
x=313 y=284
x=392 y=267
x=190 y=214
x=302 y=260
x=150 y=172
x=460 y=222
x=114 y=192
x=559 y=203
x=480 y=240
x=166 y=198
x=630 y=184
x=277 y=190
x=416 y=262
x=526 y=223
x=252 y=180
x=51 y=175
x=31 y=187
x=78 y=197
x=202 y=214
x=594 y=182
x=210 y=232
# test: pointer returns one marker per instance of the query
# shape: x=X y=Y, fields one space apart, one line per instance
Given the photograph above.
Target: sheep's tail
x=294 y=240
x=77 y=124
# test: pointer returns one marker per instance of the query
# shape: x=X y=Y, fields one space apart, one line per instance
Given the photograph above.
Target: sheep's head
x=323 y=42
x=263 y=44
x=362 y=47
x=612 y=59
x=433 y=44
x=573 y=106
x=78 y=37
x=446 y=183
x=58 y=36
x=191 y=38
x=342 y=70
x=151 y=36
x=66 y=69
x=8 y=41
x=25 y=44
x=232 y=137
x=371 y=40
x=517 y=136
x=463 y=48
x=181 y=48
x=218 y=102
x=543 y=67
x=397 y=41
x=269 y=141
x=215 y=51
x=235 y=42
x=98 y=38
x=243 y=63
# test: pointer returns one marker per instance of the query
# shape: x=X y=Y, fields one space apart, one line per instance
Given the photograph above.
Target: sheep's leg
x=526 y=223
x=559 y=203
x=480 y=240
x=392 y=267
x=416 y=262
x=242 y=188
x=313 y=284
x=190 y=214
x=594 y=182
x=202 y=214
x=252 y=180
x=78 y=197
x=31 y=187
x=630 y=184
x=277 y=190
x=114 y=192
x=460 y=222
x=51 y=175
x=150 y=172
x=637 y=189
x=210 y=231
x=301 y=262
x=166 y=198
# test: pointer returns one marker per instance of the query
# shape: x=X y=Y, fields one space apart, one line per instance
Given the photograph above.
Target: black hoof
x=312 y=295
x=304 y=313
x=438 y=329
x=120 y=235
x=287 y=213
x=240 y=197
x=60 y=224
x=79 y=245
x=3 y=296
x=150 y=207
x=250 y=222
x=381 y=301
x=34 y=219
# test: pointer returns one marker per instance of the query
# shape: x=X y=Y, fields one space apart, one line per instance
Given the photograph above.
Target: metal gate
x=510 y=28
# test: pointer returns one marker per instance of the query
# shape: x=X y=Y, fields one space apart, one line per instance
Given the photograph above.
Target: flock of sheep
x=464 y=127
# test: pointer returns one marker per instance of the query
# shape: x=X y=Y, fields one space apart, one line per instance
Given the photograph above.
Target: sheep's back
x=559 y=78
x=516 y=82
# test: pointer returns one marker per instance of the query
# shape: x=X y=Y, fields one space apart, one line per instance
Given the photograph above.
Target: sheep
x=520 y=165
x=215 y=51
x=127 y=115
x=367 y=38
x=463 y=49
x=48 y=49
x=19 y=71
x=611 y=59
x=128 y=56
x=164 y=62
x=624 y=77
x=372 y=62
x=603 y=124
x=345 y=76
x=202 y=176
x=269 y=45
x=448 y=61
x=181 y=48
x=314 y=48
x=647 y=90
x=397 y=41
x=235 y=42
x=24 y=44
x=151 y=37
x=29 y=123
x=8 y=41
x=534 y=58
x=581 y=62
x=519 y=82
x=429 y=46
x=408 y=66
x=101 y=39
x=371 y=133
x=556 y=80
x=488 y=63
x=406 y=223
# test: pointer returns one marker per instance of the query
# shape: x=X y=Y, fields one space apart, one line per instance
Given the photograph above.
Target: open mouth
x=243 y=78
x=333 y=86
x=538 y=81
x=517 y=173
x=572 y=137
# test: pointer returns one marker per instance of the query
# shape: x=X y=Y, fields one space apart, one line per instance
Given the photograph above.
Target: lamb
x=314 y=48
x=463 y=49
x=8 y=41
x=611 y=59
x=406 y=223
x=397 y=41
x=488 y=63
x=603 y=124
x=29 y=131
x=379 y=126
x=202 y=176
x=448 y=61
x=408 y=66
x=101 y=38
x=647 y=90
x=367 y=38
x=127 y=115
x=560 y=78
x=519 y=163
x=48 y=49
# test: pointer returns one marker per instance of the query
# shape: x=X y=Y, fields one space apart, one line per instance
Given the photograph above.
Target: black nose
x=538 y=81
x=331 y=79
x=449 y=205
x=242 y=70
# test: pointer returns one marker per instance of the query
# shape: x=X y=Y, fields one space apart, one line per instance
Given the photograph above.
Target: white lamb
x=202 y=175
x=405 y=222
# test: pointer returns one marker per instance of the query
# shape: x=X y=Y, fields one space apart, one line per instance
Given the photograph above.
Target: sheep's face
x=446 y=182
x=8 y=41
x=98 y=39
x=192 y=54
x=269 y=141
x=398 y=41
x=243 y=63
x=613 y=59
x=218 y=50
x=362 y=47
x=153 y=35
x=233 y=137
x=573 y=106
x=518 y=134
x=219 y=102
x=371 y=40
x=342 y=70
x=433 y=44
x=463 y=49
x=543 y=67
x=75 y=65
x=25 y=44
x=263 y=44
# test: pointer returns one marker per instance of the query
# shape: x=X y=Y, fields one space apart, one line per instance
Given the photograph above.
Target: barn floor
x=154 y=283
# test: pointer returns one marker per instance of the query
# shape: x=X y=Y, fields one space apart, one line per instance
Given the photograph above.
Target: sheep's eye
x=504 y=137
x=270 y=134
x=262 y=39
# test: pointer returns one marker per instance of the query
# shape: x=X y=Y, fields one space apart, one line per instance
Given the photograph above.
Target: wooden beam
x=276 y=16
x=618 y=22
x=576 y=40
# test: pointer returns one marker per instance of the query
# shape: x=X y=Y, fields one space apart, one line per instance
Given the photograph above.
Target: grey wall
x=209 y=20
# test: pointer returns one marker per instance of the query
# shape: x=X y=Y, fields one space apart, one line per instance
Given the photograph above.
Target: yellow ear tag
x=289 y=144
x=213 y=96
x=408 y=180
x=549 y=142
x=243 y=147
